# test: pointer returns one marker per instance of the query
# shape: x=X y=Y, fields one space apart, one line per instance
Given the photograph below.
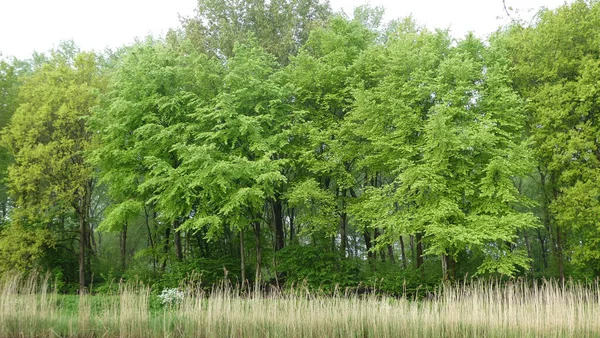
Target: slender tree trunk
x=403 y=252
x=381 y=253
x=560 y=254
x=257 y=239
x=343 y=234
x=123 y=245
x=419 y=243
x=82 y=247
x=367 y=237
x=448 y=267
x=543 y=248
x=412 y=248
x=292 y=229
x=242 y=256
x=391 y=253
x=166 y=248
x=278 y=222
x=177 y=240
x=150 y=239
x=527 y=246
x=343 y=225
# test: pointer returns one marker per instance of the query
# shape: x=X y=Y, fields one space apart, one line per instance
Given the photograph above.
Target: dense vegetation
x=289 y=144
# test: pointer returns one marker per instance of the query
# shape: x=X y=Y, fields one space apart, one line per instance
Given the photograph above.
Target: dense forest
x=278 y=142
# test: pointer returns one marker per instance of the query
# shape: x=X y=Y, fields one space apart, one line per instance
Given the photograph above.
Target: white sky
x=28 y=25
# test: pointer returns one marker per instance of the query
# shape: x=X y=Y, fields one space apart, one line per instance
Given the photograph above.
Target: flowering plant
x=171 y=296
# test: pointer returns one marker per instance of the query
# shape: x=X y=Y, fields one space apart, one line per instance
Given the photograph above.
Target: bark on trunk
x=391 y=253
x=419 y=245
x=177 y=241
x=242 y=262
x=343 y=234
x=367 y=237
x=543 y=248
x=82 y=246
x=403 y=252
x=123 y=245
x=166 y=249
x=292 y=229
x=278 y=222
x=257 y=239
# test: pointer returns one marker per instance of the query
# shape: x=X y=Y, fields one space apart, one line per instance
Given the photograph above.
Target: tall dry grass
x=28 y=308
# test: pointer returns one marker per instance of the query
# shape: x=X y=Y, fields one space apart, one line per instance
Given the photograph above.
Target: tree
x=280 y=26
x=557 y=72
x=47 y=136
x=446 y=123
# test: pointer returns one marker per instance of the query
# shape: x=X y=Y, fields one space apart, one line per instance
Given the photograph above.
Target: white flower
x=171 y=296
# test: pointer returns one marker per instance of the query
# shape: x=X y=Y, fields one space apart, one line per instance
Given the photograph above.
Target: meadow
x=29 y=308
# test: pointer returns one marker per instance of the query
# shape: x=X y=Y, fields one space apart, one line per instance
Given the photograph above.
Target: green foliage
x=201 y=272
x=382 y=156
x=557 y=72
x=22 y=248
x=318 y=268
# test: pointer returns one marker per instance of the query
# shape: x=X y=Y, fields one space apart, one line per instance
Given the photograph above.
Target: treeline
x=278 y=142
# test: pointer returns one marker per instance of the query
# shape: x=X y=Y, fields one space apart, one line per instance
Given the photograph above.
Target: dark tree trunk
x=403 y=252
x=448 y=267
x=177 y=241
x=278 y=222
x=367 y=237
x=82 y=208
x=123 y=245
x=150 y=239
x=543 y=248
x=419 y=258
x=166 y=249
x=82 y=249
x=242 y=256
x=382 y=253
x=559 y=253
x=391 y=253
x=257 y=239
x=292 y=229
x=343 y=233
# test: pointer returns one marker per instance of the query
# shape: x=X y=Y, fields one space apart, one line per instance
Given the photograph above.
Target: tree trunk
x=448 y=267
x=123 y=245
x=257 y=239
x=367 y=237
x=292 y=229
x=242 y=262
x=543 y=248
x=419 y=258
x=177 y=240
x=559 y=254
x=403 y=252
x=166 y=248
x=82 y=247
x=150 y=239
x=391 y=253
x=343 y=234
x=381 y=253
x=278 y=222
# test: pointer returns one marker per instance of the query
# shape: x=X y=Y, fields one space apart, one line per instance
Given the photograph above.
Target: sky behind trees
x=29 y=25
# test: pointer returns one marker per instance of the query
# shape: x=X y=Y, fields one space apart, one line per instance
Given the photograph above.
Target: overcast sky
x=28 y=25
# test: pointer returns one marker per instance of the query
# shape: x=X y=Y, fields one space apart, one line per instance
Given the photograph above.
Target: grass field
x=480 y=309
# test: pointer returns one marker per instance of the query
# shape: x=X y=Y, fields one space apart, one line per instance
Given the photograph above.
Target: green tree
x=446 y=122
x=557 y=72
x=47 y=136
x=142 y=126
x=280 y=26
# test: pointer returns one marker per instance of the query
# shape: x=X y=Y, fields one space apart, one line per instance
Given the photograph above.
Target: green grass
x=480 y=309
